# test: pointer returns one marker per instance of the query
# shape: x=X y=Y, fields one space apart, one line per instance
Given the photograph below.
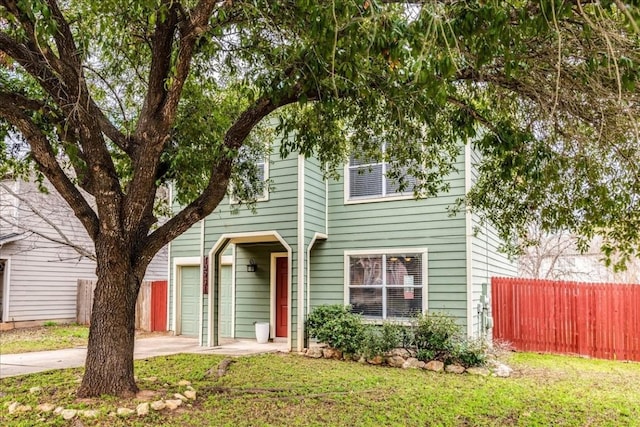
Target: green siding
x=487 y=260
x=253 y=297
x=278 y=213
x=396 y=224
x=362 y=226
x=315 y=209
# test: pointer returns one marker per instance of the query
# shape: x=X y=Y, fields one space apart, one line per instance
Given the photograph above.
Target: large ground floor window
x=386 y=284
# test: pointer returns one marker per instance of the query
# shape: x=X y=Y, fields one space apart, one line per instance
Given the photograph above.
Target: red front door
x=282 y=297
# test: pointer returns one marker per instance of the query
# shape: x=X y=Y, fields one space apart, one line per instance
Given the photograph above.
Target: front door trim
x=272 y=309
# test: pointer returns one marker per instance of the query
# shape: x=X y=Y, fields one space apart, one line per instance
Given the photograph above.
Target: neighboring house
x=44 y=250
x=556 y=257
x=352 y=241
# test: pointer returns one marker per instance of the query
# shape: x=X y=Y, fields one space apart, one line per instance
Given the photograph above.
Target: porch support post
x=215 y=288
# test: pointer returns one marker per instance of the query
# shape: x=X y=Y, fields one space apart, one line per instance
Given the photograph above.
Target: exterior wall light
x=252 y=267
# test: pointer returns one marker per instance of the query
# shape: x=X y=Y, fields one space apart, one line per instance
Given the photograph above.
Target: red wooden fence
x=598 y=320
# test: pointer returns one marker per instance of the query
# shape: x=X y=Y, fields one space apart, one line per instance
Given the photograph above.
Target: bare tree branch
x=45 y=158
x=62 y=238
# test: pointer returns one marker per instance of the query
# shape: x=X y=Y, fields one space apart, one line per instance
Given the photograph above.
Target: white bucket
x=262 y=332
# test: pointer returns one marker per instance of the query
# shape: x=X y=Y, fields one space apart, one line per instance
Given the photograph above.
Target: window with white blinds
x=386 y=285
x=369 y=179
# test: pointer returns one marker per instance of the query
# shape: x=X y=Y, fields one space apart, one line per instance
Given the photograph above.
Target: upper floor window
x=372 y=179
x=251 y=177
x=386 y=284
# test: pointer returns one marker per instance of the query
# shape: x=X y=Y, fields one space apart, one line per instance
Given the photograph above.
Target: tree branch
x=218 y=181
x=161 y=103
x=44 y=156
x=63 y=240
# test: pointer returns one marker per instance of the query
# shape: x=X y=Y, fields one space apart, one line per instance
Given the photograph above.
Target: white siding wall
x=43 y=273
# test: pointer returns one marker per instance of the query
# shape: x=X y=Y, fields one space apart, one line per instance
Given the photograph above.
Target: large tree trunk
x=109 y=364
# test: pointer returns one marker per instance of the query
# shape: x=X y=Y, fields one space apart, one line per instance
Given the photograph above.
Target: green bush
x=432 y=336
x=336 y=326
x=378 y=340
x=435 y=333
x=469 y=352
x=425 y=355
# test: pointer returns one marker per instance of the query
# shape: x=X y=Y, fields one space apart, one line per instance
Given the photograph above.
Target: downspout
x=301 y=254
x=200 y=322
x=170 y=322
x=468 y=240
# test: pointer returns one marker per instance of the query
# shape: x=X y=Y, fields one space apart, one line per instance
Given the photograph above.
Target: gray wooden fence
x=85 y=302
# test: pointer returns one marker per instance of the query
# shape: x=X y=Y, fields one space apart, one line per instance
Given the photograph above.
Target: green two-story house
x=356 y=240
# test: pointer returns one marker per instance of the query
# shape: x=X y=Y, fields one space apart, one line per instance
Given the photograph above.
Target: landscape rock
x=89 y=413
x=173 y=404
x=151 y=379
x=58 y=410
x=184 y=383
x=158 y=405
x=180 y=396
x=413 y=363
x=314 y=352
x=142 y=409
x=376 y=360
x=483 y=372
x=402 y=352
x=146 y=395
x=12 y=407
x=331 y=353
x=45 y=407
x=190 y=394
x=454 y=369
x=23 y=408
x=124 y=412
x=34 y=390
x=69 y=414
x=501 y=370
x=395 y=361
x=434 y=365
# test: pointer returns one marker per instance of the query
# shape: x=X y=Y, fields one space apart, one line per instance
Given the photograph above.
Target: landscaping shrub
x=378 y=340
x=336 y=326
x=469 y=352
x=434 y=335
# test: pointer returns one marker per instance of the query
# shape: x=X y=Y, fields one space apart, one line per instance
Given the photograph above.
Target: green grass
x=292 y=390
x=48 y=337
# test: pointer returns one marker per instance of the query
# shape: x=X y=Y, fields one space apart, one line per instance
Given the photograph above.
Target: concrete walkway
x=39 y=361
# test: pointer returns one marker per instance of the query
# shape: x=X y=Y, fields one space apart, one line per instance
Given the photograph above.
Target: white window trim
x=265 y=193
x=423 y=252
x=348 y=200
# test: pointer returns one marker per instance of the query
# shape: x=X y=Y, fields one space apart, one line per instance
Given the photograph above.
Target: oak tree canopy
x=119 y=97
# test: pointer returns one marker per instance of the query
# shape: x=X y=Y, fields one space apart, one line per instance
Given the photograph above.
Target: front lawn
x=289 y=390
x=55 y=337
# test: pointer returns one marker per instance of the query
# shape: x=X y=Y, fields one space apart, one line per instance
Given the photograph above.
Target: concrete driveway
x=39 y=361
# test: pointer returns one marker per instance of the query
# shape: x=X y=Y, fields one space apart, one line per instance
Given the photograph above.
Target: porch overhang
x=270 y=236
